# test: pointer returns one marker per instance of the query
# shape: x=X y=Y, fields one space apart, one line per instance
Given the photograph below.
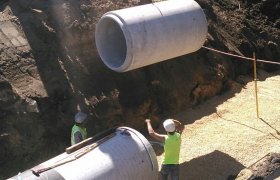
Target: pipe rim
x=127 y=61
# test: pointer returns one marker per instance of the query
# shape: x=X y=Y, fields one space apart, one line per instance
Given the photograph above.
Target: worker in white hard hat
x=172 y=144
x=79 y=132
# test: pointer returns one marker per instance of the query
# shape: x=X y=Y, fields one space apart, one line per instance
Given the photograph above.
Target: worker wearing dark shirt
x=79 y=132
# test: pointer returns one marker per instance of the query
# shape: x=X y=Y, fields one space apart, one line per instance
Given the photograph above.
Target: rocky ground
x=50 y=69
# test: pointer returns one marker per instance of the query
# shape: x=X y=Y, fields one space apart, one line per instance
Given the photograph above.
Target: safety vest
x=75 y=129
x=172 y=148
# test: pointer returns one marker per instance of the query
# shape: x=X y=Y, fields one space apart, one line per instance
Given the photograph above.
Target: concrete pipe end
x=111 y=42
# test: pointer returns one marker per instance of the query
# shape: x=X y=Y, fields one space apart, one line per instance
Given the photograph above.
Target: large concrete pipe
x=126 y=154
x=134 y=37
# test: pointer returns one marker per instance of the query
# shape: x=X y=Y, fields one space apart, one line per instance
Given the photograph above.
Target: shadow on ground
x=214 y=163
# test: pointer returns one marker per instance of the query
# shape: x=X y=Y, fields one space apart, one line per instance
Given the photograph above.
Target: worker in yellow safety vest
x=172 y=144
x=79 y=132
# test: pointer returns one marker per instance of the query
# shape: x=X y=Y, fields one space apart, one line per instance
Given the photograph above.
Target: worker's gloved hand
x=147 y=120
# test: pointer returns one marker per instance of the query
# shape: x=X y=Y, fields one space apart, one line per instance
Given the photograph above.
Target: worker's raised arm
x=179 y=126
x=159 y=137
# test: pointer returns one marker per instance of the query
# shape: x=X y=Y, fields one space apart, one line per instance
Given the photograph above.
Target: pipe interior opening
x=111 y=42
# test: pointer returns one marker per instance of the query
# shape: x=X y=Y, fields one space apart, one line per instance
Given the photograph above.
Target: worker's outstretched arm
x=179 y=126
x=159 y=137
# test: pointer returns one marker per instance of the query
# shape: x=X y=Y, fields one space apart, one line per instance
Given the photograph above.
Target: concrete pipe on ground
x=127 y=154
x=134 y=37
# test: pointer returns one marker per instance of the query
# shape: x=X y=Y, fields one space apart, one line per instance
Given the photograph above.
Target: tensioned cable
x=243 y=57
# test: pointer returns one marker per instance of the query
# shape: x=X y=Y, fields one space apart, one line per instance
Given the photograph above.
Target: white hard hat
x=80 y=117
x=169 y=125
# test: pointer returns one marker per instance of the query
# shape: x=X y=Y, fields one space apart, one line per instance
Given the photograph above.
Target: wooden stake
x=256 y=85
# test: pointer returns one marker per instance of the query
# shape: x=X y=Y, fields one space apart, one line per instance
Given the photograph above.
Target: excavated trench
x=50 y=68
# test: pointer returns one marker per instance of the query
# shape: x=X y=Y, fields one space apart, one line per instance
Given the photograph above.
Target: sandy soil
x=226 y=136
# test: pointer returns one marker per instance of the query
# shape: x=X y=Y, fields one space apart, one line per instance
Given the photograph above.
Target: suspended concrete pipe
x=134 y=37
x=124 y=153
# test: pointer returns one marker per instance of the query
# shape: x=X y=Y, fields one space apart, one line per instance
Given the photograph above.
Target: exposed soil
x=50 y=69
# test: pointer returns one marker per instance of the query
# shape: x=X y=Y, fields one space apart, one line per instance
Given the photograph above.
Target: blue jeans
x=172 y=169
